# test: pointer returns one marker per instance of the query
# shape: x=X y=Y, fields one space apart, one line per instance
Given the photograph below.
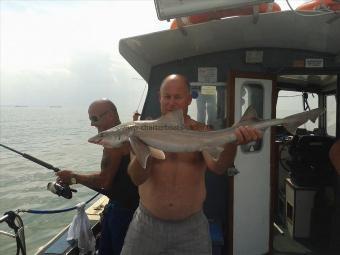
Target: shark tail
x=293 y=122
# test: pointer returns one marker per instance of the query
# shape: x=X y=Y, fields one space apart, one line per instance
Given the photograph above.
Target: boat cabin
x=283 y=194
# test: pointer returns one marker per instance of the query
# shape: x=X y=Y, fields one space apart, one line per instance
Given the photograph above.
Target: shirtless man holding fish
x=169 y=218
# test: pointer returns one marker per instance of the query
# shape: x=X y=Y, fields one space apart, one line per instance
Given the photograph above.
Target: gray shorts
x=148 y=235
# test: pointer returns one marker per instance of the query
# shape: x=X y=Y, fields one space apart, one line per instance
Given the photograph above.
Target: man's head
x=175 y=94
x=103 y=114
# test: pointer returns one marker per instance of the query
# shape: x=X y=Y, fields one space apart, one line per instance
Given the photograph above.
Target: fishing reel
x=60 y=189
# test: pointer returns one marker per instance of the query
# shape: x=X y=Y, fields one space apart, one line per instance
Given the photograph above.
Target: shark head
x=112 y=138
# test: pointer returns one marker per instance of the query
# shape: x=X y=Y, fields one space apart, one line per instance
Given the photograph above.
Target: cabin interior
x=284 y=197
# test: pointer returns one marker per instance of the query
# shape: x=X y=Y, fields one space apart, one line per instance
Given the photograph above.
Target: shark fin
x=141 y=150
x=174 y=118
x=156 y=153
x=249 y=116
x=214 y=152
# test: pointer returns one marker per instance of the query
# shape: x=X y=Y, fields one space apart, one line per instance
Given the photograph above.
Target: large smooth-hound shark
x=168 y=134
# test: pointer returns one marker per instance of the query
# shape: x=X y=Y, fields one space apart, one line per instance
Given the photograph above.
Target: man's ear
x=189 y=99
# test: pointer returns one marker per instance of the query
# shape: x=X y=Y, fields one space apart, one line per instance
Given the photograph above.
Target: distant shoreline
x=49 y=106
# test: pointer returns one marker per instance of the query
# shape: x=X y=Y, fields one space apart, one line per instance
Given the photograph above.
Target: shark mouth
x=96 y=140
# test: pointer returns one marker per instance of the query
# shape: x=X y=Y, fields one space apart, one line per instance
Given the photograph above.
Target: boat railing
x=15 y=222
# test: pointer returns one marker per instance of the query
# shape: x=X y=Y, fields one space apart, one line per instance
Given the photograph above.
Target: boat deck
x=285 y=245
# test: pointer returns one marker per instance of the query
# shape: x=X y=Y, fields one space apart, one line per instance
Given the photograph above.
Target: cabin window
x=292 y=102
x=252 y=94
x=331 y=114
x=208 y=103
x=290 y=212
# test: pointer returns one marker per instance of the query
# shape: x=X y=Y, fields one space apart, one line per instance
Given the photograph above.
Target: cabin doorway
x=250 y=190
x=244 y=208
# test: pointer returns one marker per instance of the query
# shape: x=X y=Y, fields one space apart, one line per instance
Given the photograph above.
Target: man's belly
x=173 y=202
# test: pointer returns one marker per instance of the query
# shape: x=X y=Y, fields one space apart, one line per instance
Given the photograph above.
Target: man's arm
x=334 y=155
x=136 y=172
x=100 y=180
x=225 y=160
x=244 y=135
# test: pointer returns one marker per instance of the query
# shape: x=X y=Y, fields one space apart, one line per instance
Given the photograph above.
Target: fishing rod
x=35 y=160
x=136 y=114
x=141 y=97
x=57 y=188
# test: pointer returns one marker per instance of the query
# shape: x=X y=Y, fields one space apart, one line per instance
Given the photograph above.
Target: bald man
x=112 y=180
x=169 y=219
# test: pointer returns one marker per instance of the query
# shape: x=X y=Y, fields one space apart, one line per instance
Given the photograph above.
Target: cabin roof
x=285 y=30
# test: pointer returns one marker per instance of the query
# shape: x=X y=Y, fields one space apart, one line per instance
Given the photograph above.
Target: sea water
x=57 y=135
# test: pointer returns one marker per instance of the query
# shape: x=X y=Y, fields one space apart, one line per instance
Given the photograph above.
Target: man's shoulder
x=335 y=148
x=198 y=126
x=337 y=143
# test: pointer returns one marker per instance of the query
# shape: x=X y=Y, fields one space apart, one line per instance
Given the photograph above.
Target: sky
x=56 y=52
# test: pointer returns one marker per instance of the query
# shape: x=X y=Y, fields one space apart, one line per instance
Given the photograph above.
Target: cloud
x=66 y=52
x=87 y=77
